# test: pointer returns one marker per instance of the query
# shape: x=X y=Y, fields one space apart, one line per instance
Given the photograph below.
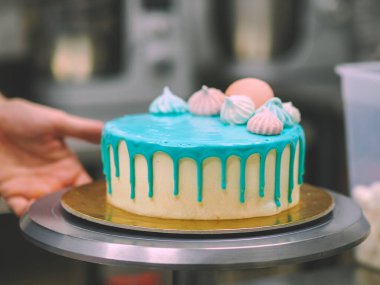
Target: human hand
x=34 y=158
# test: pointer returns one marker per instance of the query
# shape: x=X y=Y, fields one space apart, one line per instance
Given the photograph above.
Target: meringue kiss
x=168 y=103
x=265 y=123
x=206 y=102
x=237 y=109
x=293 y=111
x=275 y=106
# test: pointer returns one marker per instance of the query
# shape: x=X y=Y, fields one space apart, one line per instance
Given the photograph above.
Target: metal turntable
x=195 y=256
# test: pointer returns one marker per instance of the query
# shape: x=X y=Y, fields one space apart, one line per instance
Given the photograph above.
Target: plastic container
x=361 y=97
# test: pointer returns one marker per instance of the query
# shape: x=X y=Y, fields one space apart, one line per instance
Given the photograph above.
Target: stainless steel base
x=50 y=227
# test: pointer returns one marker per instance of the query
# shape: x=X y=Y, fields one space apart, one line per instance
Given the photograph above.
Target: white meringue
x=293 y=111
x=237 y=109
x=168 y=103
x=206 y=102
x=265 y=123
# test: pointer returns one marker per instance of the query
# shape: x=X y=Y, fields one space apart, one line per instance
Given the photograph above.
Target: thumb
x=77 y=127
x=19 y=204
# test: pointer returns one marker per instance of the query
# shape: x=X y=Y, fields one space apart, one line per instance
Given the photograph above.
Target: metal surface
x=50 y=227
x=89 y=202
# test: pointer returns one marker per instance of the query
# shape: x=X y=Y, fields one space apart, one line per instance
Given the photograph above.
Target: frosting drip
x=206 y=102
x=210 y=138
x=168 y=103
x=237 y=109
x=265 y=123
x=275 y=106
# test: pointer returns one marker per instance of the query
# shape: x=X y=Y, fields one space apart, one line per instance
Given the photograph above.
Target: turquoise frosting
x=168 y=103
x=275 y=106
x=198 y=138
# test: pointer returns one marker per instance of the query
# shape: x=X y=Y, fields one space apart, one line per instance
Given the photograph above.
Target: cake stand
x=193 y=259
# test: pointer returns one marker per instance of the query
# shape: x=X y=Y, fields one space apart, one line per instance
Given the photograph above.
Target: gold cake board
x=88 y=202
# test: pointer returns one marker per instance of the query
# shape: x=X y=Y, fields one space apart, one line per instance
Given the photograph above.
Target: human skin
x=34 y=158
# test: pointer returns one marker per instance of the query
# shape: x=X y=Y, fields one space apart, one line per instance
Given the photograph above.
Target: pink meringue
x=293 y=111
x=265 y=123
x=206 y=102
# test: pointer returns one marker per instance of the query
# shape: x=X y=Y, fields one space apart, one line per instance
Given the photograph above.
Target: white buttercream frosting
x=293 y=111
x=168 y=103
x=265 y=123
x=237 y=109
x=206 y=102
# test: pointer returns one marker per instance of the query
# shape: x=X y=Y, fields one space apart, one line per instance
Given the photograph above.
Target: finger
x=73 y=126
x=19 y=205
x=83 y=178
x=70 y=172
x=29 y=187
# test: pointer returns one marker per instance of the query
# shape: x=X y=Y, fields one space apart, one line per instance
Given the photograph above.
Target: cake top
x=189 y=131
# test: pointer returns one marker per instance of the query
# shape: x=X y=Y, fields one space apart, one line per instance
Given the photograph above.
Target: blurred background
x=103 y=59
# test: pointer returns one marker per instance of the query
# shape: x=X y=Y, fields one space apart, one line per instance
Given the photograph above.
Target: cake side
x=217 y=203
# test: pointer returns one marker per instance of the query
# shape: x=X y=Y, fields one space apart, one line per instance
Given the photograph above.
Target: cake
x=213 y=157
